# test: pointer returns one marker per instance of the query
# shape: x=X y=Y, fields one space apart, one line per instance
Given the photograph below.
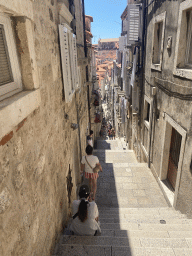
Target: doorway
x=174 y=153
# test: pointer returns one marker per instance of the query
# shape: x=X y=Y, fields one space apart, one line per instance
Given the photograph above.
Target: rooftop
x=109 y=40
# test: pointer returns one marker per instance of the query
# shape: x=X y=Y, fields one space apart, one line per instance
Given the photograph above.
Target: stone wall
x=40 y=157
x=167 y=102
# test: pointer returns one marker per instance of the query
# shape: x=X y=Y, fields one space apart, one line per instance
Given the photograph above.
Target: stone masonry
x=40 y=156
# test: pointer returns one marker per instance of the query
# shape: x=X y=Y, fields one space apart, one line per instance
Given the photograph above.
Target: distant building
x=108 y=44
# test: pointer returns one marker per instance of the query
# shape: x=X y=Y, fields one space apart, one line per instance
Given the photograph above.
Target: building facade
x=43 y=120
x=166 y=127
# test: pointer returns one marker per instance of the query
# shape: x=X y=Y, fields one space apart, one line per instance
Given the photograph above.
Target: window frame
x=11 y=88
x=146 y=124
x=189 y=42
x=21 y=102
x=185 y=69
x=158 y=19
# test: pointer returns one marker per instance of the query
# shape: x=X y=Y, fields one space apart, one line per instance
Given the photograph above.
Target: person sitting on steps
x=85 y=215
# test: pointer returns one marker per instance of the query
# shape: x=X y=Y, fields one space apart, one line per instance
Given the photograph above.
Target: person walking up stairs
x=135 y=217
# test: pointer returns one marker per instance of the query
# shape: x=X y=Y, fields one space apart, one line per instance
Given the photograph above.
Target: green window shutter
x=5 y=67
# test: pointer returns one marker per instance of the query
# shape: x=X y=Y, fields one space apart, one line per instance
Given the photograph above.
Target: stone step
x=142 y=211
x=118 y=151
x=142 y=234
x=128 y=241
x=146 y=234
x=146 y=220
x=94 y=250
x=122 y=216
x=146 y=226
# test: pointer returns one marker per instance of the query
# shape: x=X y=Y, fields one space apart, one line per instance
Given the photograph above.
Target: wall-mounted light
x=74 y=126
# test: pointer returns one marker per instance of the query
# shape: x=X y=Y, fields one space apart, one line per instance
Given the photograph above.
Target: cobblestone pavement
x=125 y=182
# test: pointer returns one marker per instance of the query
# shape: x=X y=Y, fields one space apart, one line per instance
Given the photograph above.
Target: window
x=158 y=37
x=134 y=23
x=188 y=56
x=146 y=125
x=15 y=103
x=69 y=61
x=157 y=42
x=147 y=111
x=183 y=49
x=10 y=76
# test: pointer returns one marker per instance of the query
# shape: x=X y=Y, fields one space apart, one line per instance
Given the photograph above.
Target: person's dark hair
x=82 y=211
x=84 y=191
x=91 y=132
x=89 y=150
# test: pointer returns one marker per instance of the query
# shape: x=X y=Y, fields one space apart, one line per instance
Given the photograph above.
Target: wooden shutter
x=79 y=76
x=121 y=43
x=76 y=83
x=125 y=24
x=135 y=95
x=133 y=23
x=5 y=67
x=65 y=61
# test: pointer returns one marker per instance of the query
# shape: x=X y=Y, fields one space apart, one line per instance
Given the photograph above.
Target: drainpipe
x=79 y=132
x=152 y=126
x=85 y=46
x=87 y=77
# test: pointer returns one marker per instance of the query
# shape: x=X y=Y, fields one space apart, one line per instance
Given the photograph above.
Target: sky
x=106 y=18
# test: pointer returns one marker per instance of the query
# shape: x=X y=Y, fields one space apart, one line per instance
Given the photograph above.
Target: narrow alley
x=135 y=217
x=89 y=85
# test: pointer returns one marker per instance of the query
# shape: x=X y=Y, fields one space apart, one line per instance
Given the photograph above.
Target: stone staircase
x=135 y=217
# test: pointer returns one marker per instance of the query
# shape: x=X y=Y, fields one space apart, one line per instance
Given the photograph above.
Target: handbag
x=96 y=169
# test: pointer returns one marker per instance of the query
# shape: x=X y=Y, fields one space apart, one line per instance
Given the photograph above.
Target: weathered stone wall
x=178 y=109
x=42 y=153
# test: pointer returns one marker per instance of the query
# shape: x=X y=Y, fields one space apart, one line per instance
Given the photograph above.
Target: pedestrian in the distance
x=88 y=163
x=90 y=138
x=113 y=133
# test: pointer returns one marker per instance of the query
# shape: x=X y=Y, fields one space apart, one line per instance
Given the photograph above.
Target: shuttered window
x=68 y=60
x=5 y=67
x=10 y=75
x=133 y=23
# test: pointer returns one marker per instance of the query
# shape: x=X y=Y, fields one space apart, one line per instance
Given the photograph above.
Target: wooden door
x=174 y=154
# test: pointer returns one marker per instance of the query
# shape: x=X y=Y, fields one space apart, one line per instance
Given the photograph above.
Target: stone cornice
x=64 y=12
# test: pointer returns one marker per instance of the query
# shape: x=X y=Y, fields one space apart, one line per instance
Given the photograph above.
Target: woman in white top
x=87 y=162
x=85 y=215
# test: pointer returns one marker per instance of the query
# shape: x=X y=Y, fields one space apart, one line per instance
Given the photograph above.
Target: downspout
x=87 y=77
x=143 y=47
x=152 y=126
x=150 y=135
x=79 y=132
x=85 y=46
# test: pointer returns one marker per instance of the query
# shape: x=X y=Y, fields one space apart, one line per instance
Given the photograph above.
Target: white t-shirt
x=90 y=225
x=90 y=140
x=92 y=160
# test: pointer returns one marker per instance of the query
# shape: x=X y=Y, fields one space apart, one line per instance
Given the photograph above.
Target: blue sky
x=106 y=17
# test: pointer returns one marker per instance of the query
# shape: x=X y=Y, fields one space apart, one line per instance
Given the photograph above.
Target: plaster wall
x=178 y=109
